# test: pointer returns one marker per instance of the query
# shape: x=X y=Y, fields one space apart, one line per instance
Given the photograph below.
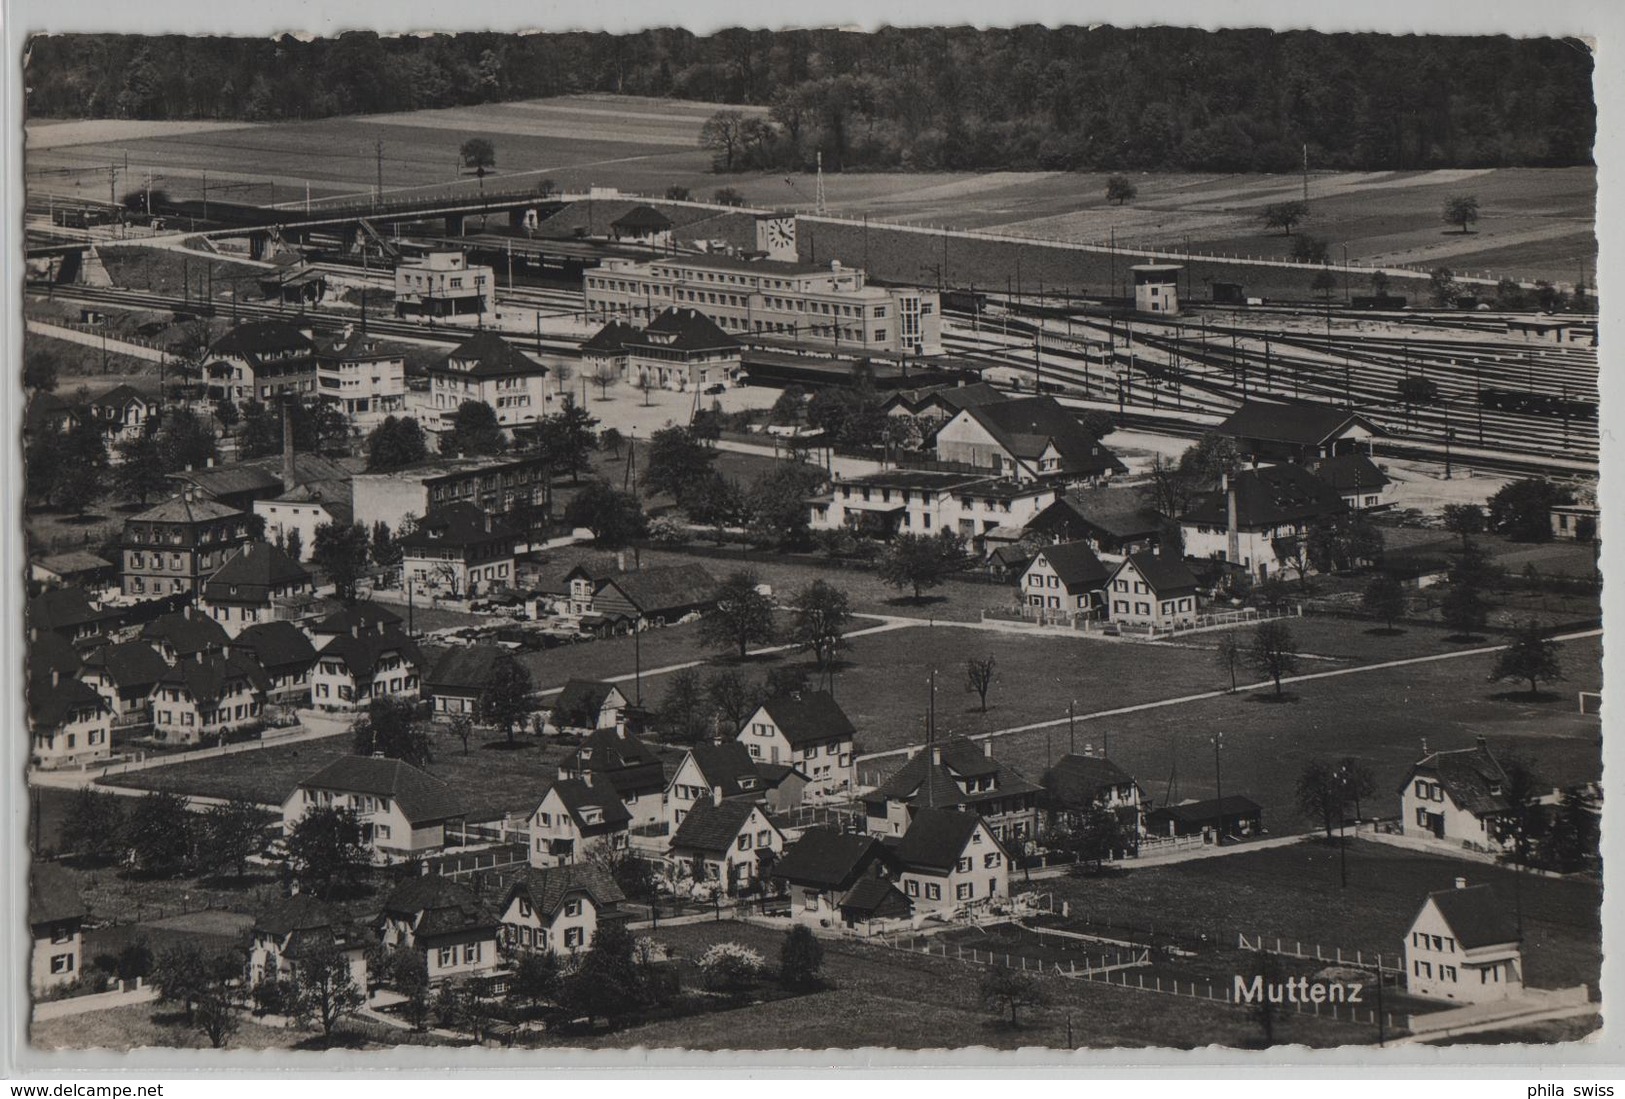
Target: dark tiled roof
x=1206 y=812
x=129 y=664
x=921 y=781
x=51 y=704
x=612 y=337
x=362 y=650
x=642 y=219
x=683 y=330
x=812 y=718
x=1026 y=425
x=1270 y=496
x=665 y=587
x=119 y=397
x=258 y=337
x=53 y=896
x=1076 y=564
x=712 y=828
x=579 y=703
x=65 y=608
x=277 y=645
x=440 y=905
x=206 y=676
x=1350 y=473
x=1477 y=916
x=1114 y=512
x=1298 y=423
x=826 y=858
x=630 y=766
x=49 y=652
x=875 y=898
x=187 y=634
x=423 y=798
x=73 y=563
x=578 y=797
x=1166 y=575
x=492 y=356
x=464 y=668
x=936 y=838
x=252 y=572
x=548 y=889
x=730 y=766
x=1473 y=778
x=1078 y=782
x=458 y=524
x=954 y=396
x=300 y=912
x=178 y=509
x=365 y=616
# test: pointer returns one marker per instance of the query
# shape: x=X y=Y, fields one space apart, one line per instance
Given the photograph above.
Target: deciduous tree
x=742 y=615
x=821 y=613
x=1531 y=656
x=981 y=672
x=1384 y=597
x=325 y=851
x=324 y=986
x=1461 y=210
x=160 y=833
x=614 y=517
x=506 y=702
x=340 y=551
x=1274 y=651
x=475 y=431
x=395 y=443
x=1120 y=190
x=393 y=727
x=1009 y=990
x=920 y=561
x=1285 y=216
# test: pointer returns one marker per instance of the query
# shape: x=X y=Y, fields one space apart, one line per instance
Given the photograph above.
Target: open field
x=149 y=1025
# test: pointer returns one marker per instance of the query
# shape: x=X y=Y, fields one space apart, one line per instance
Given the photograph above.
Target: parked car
x=713 y=390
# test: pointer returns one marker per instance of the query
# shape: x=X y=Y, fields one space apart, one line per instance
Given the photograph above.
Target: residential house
x=729 y=767
x=823 y=866
x=71 y=614
x=355 y=668
x=1212 y=819
x=48 y=414
x=70 y=724
x=305 y=508
x=1066 y=577
x=175 y=545
x=1459 y=796
x=363 y=617
x=585 y=705
x=49 y=652
x=259 y=583
x=261 y=361
x=875 y=906
x=559 y=908
x=575 y=819
x=124 y=674
x=56 y=919
x=207 y=696
x=1273 y=508
x=1356 y=478
x=455 y=931
x=293 y=926
x=617 y=760
x=1027 y=439
x=649 y=597
x=1111 y=521
x=459 y=551
x=1284 y=430
x=807 y=730
x=1077 y=786
x=361 y=380
x=982 y=510
x=605 y=349
x=74 y=569
x=950 y=861
x=731 y=842
x=184 y=634
x=642 y=224
x=122 y=413
x=487 y=368
x=286 y=656
x=403 y=811
x=1464 y=945
x=1148 y=590
x=459 y=678
x=956 y=774
x=443 y=284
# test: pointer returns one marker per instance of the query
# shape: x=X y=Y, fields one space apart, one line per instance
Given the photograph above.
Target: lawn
x=1293 y=893
x=141 y=1025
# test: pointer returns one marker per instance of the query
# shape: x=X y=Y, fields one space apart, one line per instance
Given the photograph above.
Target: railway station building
x=1156 y=288
x=443 y=284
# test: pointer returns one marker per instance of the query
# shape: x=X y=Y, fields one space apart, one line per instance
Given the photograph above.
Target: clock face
x=781 y=233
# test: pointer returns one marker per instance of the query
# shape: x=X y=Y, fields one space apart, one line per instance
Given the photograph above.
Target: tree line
x=912 y=98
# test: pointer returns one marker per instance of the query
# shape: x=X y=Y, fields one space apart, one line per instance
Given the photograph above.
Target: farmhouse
x=403 y=811
x=1027 y=439
x=1215 y=818
x=559 y=908
x=613 y=759
x=950 y=861
x=1265 y=512
x=489 y=369
x=207 y=696
x=459 y=551
x=1295 y=431
x=1457 y=796
x=1148 y=590
x=1077 y=786
x=70 y=723
x=1464 y=945
x=454 y=931
x=56 y=917
x=170 y=548
x=585 y=705
x=296 y=925
x=574 y=820
x=729 y=841
x=259 y=583
x=653 y=596
x=824 y=866
x=809 y=731
x=1064 y=577
x=352 y=669
x=955 y=774
x=729 y=767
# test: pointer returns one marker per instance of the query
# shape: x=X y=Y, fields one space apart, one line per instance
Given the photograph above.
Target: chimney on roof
x=620 y=560
x=190 y=612
x=225 y=651
x=1232 y=523
x=716 y=795
x=1424 y=747
x=1480 y=741
x=936 y=753
x=355 y=629
x=198 y=656
x=56 y=676
x=1461 y=883
x=208 y=463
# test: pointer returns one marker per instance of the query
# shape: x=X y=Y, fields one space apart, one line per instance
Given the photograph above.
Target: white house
x=1273 y=508
x=354 y=668
x=1026 y=439
x=823 y=869
x=293 y=926
x=487 y=368
x=302 y=508
x=808 y=730
x=728 y=841
x=207 y=695
x=70 y=724
x=455 y=932
x=1457 y=796
x=259 y=583
x=403 y=811
x=575 y=819
x=919 y=501
x=614 y=759
x=56 y=917
x=1357 y=479
x=1064 y=577
x=585 y=705
x=443 y=284
x=1150 y=590
x=1464 y=945
x=949 y=860
x=558 y=909
x=360 y=380
x=729 y=767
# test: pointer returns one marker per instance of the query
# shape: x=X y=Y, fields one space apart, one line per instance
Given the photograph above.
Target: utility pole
x=1218 y=782
x=1072 y=727
x=1306 y=172
x=205 y=196
x=379 y=152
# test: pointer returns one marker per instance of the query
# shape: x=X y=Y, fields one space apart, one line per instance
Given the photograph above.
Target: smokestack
x=1232 y=529
x=287 y=445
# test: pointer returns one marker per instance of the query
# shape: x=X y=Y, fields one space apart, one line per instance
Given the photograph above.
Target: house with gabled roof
x=823 y=866
x=455 y=931
x=365 y=617
x=487 y=368
x=644 y=225
x=294 y=925
x=727 y=766
x=261 y=360
x=939 y=403
x=354 y=668
x=1357 y=479
x=1464 y=945
x=950 y=861
x=286 y=656
x=305 y=507
x=1149 y=590
x=459 y=550
x=403 y=810
x=1458 y=796
x=124 y=674
x=1064 y=577
x=1111 y=521
x=69 y=723
x=574 y=819
x=651 y=596
x=986 y=511
x=56 y=918
x=122 y=413
x=70 y=613
x=807 y=730
x=604 y=348
x=459 y=678
x=614 y=759
x=1274 y=508
x=729 y=842
x=76 y=568
x=955 y=774
x=1027 y=439
x=1076 y=786
x=259 y=583
x=1211 y=818
x=182 y=635
x=207 y=696
x=173 y=546
x=1282 y=429
x=585 y=705
x=681 y=349
x=559 y=908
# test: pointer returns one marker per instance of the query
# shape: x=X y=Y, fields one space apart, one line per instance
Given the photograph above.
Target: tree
x=1570 y=844
x=191 y=349
x=233 y=833
x=775 y=507
x=340 y=551
x=607 y=983
x=395 y=443
x=980 y=674
x=1465 y=520
x=324 y=987
x=729 y=967
x=677 y=463
x=506 y=702
x=1005 y=989
x=822 y=613
x=603 y=376
x=204 y=985
x=614 y=517
x=722 y=134
x=1346 y=542
x=1285 y=215
x=684 y=713
x=1461 y=210
x=646 y=385
x=407 y=971
x=1321 y=794
x=920 y=561
x=1531 y=656
x=1384 y=597
x=475 y=431
x=40 y=371
x=1358 y=783
x=1312 y=249
x=1324 y=283
x=610 y=439
x=185 y=442
x=1228 y=655
x=742 y=615
x=728 y=196
x=293 y=543
x=801 y=959
x=325 y=850
x=392 y=727
x=1120 y=190
x=159 y=833
x=1273 y=652
x=385 y=549
x=567 y=438
x=140 y=474
x=536 y=978
x=788 y=406
x=1522 y=509
x=1463 y=609
x=462 y=727
x=675 y=193
x=732 y=697
x=478 y=152
x=1443 y=287
x=261 y=434
x=94 y=826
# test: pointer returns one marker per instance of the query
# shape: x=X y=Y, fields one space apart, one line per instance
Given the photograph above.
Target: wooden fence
x=1328 y=956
